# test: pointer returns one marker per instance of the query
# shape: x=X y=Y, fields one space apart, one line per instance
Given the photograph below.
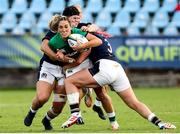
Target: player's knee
x=101 y=95
x=43 y=98
x=59 y=102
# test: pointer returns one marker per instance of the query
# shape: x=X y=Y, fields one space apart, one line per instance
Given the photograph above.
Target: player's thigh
x=128 y=96
x=82 y=78
x=43 y=89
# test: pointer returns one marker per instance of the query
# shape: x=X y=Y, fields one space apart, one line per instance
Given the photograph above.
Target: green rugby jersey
x=57 y=42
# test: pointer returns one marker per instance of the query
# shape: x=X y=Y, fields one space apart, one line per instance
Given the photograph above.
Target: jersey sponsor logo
x=43 y=75
x=69 y=71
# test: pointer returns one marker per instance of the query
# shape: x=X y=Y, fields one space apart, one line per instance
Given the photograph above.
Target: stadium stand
x=4 y=6
x=124 y=14
x=9 y=21
x=116 y=4
x=18 y=31
x=170 y=30
x=56 y=6
x=122 y=19
x=169 y=5
x=132 y=6
x=114 y=30
x=160 y=20
x=43 y=21
x=19 y=6
x=133 y=30
x=103 y=19
x=74 y=2
x=176 y=19
x=126 y=19
x=151 y=6
x=2 y=30
x=87 y=17
x=27 y=21
x=38 y=6
x=94 y=6
x=141 y=19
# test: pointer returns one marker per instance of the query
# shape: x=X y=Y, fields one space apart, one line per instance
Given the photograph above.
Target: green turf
x=14 y=105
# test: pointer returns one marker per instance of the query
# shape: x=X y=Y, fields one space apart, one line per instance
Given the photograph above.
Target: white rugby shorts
x=110 y=72
x=49 y=72
x=85 y=64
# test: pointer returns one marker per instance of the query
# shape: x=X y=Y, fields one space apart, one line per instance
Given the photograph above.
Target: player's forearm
x=47 y=50
x=92 y=43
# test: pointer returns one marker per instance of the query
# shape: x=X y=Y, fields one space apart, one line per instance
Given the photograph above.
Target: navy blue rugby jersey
x=104 y=51
x=45 y=57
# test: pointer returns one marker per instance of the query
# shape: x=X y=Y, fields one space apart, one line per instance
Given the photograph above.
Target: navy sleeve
x=49 y=35
x=83 y=24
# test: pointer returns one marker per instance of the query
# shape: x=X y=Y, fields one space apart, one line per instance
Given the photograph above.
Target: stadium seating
x=94 y=6
x=18 y=31
x=4 y=6
x=75 y=2
x=116 y=4
x=19 y=6
x=103 y=19
x=114 y=30
x=152 y=31
x=37 y=6
x=151 y=6
x=176 y=19
x=132 y=6
x=169 y=5
x=2 y=30
x=56 y=6
x=160 y=20
x=170 y=30
x=27 y=21
x=87 y=17
x=141 y=19
x=44 y=20
x=122 y=19
x=157 y=14
x=9 y=21
x=132 y=30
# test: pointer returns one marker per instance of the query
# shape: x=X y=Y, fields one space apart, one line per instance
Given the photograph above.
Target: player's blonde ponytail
x=54 y=22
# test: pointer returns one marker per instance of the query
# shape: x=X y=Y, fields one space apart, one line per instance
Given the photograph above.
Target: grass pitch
x=165 y=102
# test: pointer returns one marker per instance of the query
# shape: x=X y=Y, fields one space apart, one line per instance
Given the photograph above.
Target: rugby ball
x=73 y=38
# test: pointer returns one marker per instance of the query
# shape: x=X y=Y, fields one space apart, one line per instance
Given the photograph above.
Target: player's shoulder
x=50 y=34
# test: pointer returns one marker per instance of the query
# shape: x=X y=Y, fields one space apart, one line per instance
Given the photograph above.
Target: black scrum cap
x=70 y=11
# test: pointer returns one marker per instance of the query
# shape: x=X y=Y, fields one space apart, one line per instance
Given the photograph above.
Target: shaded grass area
x=165 y=102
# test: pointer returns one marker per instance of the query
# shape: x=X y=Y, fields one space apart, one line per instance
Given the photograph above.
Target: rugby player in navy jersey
x=106 y=71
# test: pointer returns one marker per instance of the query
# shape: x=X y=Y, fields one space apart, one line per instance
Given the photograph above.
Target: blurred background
x=145 y=37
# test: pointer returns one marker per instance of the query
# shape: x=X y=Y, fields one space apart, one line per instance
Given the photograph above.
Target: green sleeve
x=78 y=31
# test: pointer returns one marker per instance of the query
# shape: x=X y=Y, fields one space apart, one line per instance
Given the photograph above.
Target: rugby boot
x=71 y=121
x=99 y=112
x=29 y=118
x=47 y=124
x=163 y=125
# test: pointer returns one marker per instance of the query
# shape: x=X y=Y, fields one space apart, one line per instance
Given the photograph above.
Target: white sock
x=111 y=114
x=73 y=98
x=33 y=111
x=151 y=116
x=48 y=117
x=97 y=103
